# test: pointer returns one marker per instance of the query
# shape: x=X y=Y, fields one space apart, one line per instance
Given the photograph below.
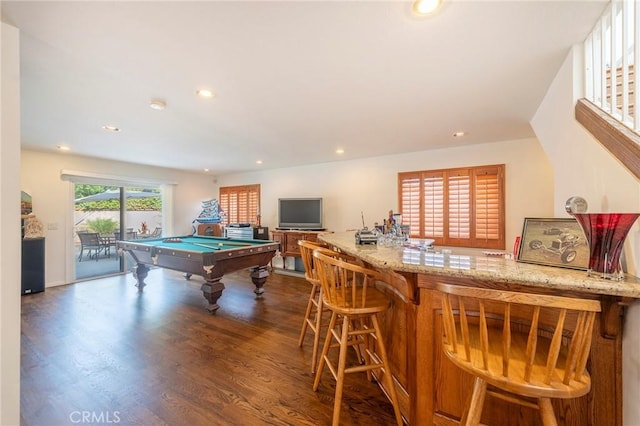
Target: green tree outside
x=133 y=204
x=82 y=190
x=102 y=226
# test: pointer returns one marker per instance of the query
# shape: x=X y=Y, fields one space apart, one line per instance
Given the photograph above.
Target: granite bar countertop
x=474 y=264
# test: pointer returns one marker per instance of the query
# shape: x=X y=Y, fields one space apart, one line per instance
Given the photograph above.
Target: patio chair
x=157 y=233
x=91 y=242
x=107 y=242
x=130 y=234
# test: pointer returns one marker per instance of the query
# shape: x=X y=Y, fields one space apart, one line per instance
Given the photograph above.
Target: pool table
x=209 y=257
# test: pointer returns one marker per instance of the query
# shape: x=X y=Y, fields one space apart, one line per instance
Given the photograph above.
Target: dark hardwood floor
x=98 y=352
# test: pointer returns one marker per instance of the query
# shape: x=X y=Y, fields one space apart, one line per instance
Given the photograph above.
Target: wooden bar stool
x=315 y=308
x=349 y=291
x=527 y=347
x=313 y=314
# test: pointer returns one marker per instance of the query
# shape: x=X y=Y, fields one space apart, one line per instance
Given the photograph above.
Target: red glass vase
x=606 y=233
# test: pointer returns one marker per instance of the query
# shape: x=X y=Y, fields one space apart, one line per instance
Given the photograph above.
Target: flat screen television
x=300 y=213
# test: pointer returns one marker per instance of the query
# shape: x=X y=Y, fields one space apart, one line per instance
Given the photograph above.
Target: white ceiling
x=294 y=80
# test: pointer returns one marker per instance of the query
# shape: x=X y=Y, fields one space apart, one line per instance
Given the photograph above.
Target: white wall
x=370 y=185
x=53 y=200
x=10 y=252
x=582 y=167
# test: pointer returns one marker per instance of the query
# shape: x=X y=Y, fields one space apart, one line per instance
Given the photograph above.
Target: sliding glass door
x=105 y=214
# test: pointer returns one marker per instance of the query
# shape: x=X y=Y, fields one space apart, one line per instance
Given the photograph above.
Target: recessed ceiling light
x=157 y=104
x=426 y=7
x=111 y=128
x=63 y=148
x=339 y=151
x=258 y=161
x=458 y=134
x=205 y=93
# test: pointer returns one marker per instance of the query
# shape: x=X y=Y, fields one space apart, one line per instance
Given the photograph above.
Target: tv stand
x=288 y=240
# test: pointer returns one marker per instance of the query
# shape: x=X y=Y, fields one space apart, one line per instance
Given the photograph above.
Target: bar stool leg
x=307 y=314
x=387 y=370
x=317 y=330
x=476 y=402
x=546 y=412
x=361 y=343
x=325 y=350
x=342 y=362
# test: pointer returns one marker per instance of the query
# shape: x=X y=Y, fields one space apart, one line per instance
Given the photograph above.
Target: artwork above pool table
x=209 y=257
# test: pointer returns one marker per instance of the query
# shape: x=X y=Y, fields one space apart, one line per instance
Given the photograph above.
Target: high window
x=611 y=89
x=240 y=203
x=610 y=55
x=455 y=207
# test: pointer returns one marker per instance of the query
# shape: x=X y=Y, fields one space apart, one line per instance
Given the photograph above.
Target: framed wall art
x=26 y=206
x=553 y=242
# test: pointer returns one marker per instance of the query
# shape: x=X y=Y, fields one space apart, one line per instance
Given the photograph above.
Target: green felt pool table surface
x=201 y=243
x=209 y=257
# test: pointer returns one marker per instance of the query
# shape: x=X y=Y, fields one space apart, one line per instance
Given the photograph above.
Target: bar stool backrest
x=344 y=284
x=306 y=254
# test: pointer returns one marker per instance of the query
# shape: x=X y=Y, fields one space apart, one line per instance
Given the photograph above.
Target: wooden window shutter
x=243 y=206
x=254 y=205
x=240 y=203
x=459 y=204
x=232 y=213
x=457 y=207
x=434 y=199
x=224 y=201
x=410 y=192
x=489 y=205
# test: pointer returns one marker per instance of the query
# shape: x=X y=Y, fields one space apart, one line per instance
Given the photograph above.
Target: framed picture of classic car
x=553 y=242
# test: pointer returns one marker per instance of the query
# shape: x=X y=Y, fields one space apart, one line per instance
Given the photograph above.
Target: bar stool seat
x=527 y=347
x=350 y=293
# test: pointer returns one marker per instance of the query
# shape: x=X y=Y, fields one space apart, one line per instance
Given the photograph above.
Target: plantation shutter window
x=488 y=209
x=410 y=191
x=433 y=206
x=240 y=203
x=461 y=207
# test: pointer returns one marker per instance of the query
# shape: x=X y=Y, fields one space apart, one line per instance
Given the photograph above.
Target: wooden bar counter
x=431 y=389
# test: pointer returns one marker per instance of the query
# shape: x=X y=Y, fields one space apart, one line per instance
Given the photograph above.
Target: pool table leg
x=259 y=277
x=212 y=290
x=140 y=272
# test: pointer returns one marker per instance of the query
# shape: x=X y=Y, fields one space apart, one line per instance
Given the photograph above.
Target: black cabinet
x=32 y=265
x=260 y=233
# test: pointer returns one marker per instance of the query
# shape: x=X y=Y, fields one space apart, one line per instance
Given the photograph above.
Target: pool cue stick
x=205 y=246
x=231 y=243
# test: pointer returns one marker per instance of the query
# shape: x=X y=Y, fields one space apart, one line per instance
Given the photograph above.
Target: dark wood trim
x=618 y=139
